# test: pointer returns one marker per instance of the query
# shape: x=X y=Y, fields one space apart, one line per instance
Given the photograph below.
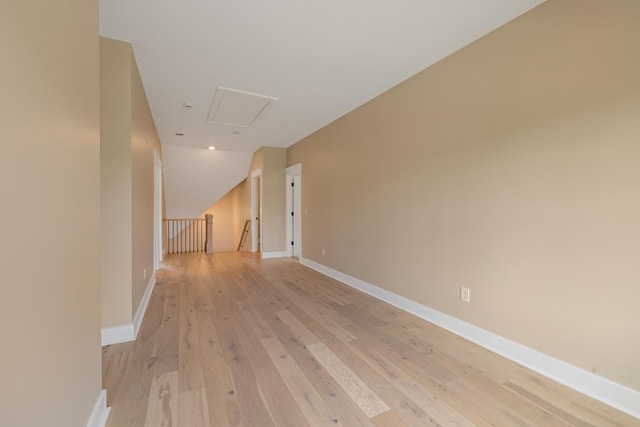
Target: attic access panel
x=237 y=108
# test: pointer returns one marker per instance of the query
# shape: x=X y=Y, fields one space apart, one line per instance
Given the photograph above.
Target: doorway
x=256 y=210
x=294 y=210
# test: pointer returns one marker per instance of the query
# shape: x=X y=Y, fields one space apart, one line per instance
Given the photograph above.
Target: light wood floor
x=232 y=340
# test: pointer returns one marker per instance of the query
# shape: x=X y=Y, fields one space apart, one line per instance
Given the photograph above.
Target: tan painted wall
x=229 y=215
x=222 y=212
x=273 y=199
x=257 y=160
x=256 y=163
x=242 y=212
x=50 y=185
x=116 y=183
x=144 y=139
x=510 y=167
x=272 y=160
x=128 y=141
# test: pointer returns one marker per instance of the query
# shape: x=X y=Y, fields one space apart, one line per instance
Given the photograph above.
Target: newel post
x=209 y=243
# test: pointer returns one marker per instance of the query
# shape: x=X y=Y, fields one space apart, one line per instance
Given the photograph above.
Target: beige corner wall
x=50 y=185
x=273 y=199
x=272 y=161
x=115 y=180
x=510 y=167
x=241 y=206
x=257 y=160
x=229 y=215
x=127 y=164
x=144 y=139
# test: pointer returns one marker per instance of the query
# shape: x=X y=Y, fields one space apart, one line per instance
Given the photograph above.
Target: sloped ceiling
x=320 y=59
x=194 y=178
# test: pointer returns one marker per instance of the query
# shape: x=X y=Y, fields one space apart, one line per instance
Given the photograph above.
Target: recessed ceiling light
x=211 y=147
x=188 y=105
x=179 y=134
x=235 y=132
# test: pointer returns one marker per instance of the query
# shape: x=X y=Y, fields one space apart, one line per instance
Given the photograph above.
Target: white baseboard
x=142 y=307
x=118 y=334
x=616 y=395
x=100 y=412
x=268 y=255
x=129 y=332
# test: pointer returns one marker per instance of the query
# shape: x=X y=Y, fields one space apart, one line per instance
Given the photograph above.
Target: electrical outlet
x=465 y=294
x=323 y=252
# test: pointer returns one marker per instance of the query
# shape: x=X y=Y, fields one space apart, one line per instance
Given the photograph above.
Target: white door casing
x=256 y=210
x=293 y=210
x=158 y=253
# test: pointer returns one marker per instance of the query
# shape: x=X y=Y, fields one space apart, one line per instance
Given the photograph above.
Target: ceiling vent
x=237 y=108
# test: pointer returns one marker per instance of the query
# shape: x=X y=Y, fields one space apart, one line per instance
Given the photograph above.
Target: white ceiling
x=321 y=59
x=195 y=178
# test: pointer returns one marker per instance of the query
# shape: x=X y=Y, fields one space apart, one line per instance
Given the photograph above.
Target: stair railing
x=185 y=235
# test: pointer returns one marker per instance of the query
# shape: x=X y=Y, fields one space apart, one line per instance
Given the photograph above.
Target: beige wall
x=272 y=161
x=229 y=215
x=273 y=199
x=241 y=212
x=50 y=185
x=115 y=180
x=127 y=161
x=257 y=160
x=510 y=167
x=144 y=139
x=222 y=212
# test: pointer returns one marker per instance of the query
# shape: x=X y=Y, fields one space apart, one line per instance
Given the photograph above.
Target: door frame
x=294 y=222
x=158 y=247
x=256 y=208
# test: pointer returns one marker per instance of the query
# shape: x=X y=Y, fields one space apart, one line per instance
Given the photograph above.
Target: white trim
x=297 y=220
x=293 y=206
x=616 y=395
x=269 y=255
x=256 y=210
x=118 y=334
x=129 y=332
x=142 y=307
x=158 y=251
x=256 y=172
x=100 y=412
x=288 y=202
x=294 y=170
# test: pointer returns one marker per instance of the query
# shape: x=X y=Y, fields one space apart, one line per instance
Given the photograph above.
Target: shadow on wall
x=229 y=215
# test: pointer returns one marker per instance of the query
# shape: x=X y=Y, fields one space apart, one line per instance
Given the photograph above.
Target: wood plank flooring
x=233 y=340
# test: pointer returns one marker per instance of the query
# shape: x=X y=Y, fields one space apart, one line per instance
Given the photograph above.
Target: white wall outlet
x=144 y=273
x=465 y=294
x=324 y=252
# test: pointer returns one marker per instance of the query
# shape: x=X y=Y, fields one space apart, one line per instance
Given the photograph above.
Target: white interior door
x=297 y=217
x=294 y=210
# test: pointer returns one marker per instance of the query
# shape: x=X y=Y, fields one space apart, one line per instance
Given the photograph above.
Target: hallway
x=233 y=340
